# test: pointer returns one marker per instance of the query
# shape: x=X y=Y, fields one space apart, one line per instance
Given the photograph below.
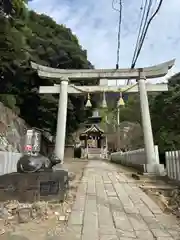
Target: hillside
x=27 y=36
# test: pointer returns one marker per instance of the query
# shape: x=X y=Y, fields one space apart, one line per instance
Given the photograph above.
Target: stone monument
x=36 y=177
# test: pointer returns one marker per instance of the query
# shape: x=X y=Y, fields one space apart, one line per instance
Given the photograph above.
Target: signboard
x=49 y=188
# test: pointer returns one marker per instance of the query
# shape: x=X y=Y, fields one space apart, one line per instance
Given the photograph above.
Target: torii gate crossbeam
x=140 y=74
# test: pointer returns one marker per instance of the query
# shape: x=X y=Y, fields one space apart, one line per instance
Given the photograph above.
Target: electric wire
x=146 y=29
x=144 y=32
x=140 y=28
x=119 y=30
x=139 y=33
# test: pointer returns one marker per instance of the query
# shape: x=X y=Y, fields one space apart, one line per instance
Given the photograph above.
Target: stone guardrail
x=135 y=158
x=173 y=164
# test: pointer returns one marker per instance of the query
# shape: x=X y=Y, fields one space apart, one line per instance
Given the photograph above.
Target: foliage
x=27 y=36
x=165 y=115
x=165 y=112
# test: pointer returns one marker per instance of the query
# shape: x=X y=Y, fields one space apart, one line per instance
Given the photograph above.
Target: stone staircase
x=94 y=153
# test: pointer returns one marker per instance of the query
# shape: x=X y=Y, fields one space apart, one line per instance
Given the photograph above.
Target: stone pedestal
x=45 y=186
x=154 y=169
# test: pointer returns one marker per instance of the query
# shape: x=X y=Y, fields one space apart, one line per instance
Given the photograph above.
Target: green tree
x=165 y=113
x=33 y=37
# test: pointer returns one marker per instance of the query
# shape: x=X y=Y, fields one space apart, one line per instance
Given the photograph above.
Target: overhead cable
x=119 y=29
x=141 y=36
x=146 y=29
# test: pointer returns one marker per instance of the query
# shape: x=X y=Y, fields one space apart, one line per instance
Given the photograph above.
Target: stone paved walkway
x=110 y=206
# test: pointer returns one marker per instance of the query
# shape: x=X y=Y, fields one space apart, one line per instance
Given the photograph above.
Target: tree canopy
x=165 y=113
x=27 y=36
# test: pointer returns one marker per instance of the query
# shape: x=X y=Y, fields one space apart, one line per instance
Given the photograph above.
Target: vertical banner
x=32 y=141
x=28 y=140
x=36 y=143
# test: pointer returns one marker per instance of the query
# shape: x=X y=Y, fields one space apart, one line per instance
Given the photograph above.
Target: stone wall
x=12 y=130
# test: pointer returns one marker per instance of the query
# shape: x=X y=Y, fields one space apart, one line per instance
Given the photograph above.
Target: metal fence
x=8 y=161
x=173 y=164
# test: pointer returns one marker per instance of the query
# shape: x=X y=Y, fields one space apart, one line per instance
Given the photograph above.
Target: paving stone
x=106 y=178
x=153 y=222
x=144 y=210
x=137 y=222
x=123 y=196
x=107 y=230
x=108 y=237
x=126 y=238
x=121 y=221
x=89 y=236
x=90 y=214
x=128 y=234
x=154 y=208
x=113 y=177
x=174 y=233
x=121 y=178
x=160 y=233
x=76 y=218
x=168 y=221
x=91 y=189
x=166 y=238
x=79 y=204
x=129 y=215
x=144 y=235
x=115 y=204
x=100 y=191
x=110 y=190
x=131 y=210
x=90 y=232
x=106 y=225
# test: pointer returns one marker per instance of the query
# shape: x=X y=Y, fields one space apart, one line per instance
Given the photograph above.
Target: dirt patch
x=52 y=218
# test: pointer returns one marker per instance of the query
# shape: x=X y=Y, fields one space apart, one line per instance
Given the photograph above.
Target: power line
x=143 y=7
x=139 y=33
x=141 y=30
x=146 y=21
x=141 y=38
x=146 y=29
x=119 y=30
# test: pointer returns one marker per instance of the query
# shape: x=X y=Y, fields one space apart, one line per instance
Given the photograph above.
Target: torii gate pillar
x=152 y=166
x=61 y=119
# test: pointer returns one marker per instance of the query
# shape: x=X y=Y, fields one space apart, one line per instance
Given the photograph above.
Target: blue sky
x=95 y=24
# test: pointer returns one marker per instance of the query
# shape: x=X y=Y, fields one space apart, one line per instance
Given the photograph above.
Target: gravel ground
x=53 y=221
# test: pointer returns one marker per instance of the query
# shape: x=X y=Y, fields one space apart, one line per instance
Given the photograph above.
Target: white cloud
x=95 y=24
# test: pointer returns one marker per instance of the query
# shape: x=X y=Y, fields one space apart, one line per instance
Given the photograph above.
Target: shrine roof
x=93 y=129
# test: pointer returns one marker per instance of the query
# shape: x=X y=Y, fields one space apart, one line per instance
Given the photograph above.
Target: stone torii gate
x=140 y=74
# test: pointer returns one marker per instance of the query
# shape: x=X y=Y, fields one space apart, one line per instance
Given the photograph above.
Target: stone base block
x=30 y=187
x=154 y=169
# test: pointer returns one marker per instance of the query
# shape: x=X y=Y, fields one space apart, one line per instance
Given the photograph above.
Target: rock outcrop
x=12 y=130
